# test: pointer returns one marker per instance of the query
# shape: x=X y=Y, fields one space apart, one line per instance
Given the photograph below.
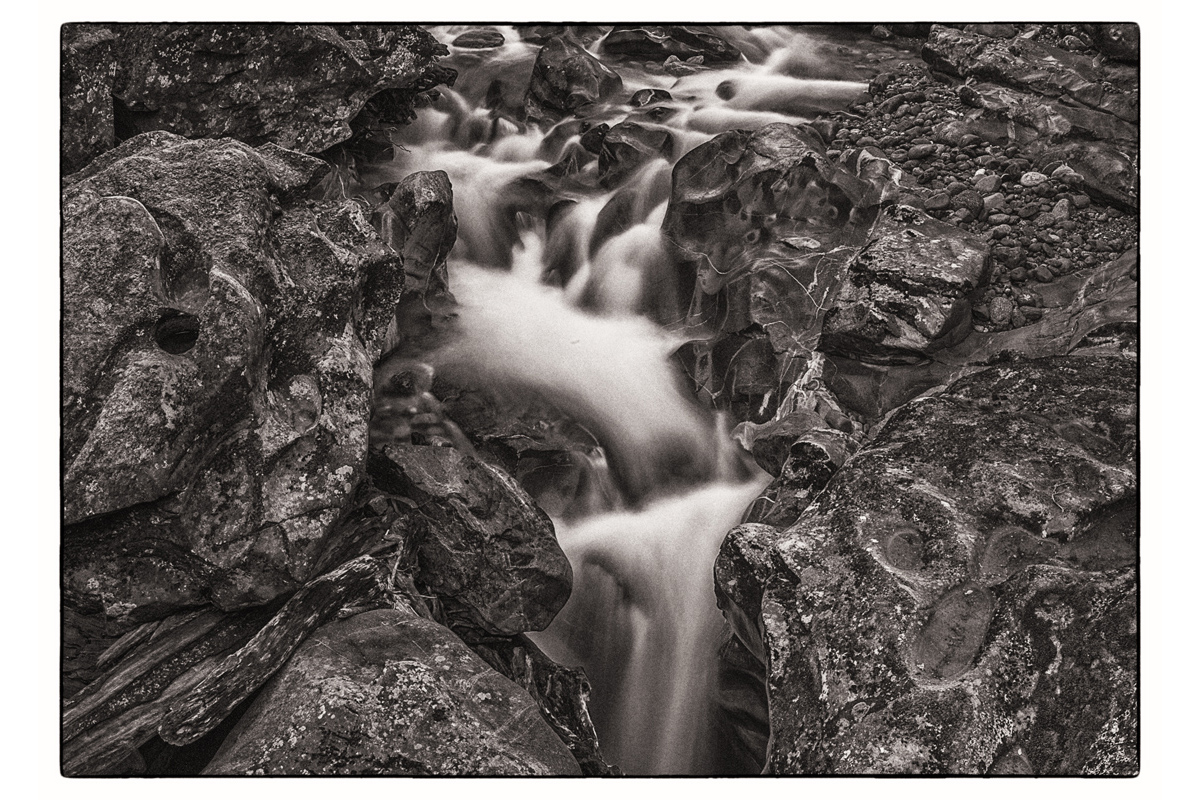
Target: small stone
x=968 y=200
x=1000 y=310
x=1000 y=231
x=1061 y=210
x=920 y=151
x=1045 y=219
x=937 y=202
x=1080 y=200
x=993 y=201
x=479 y=39
x=1043 y=274
x=1018 y=275
x=1030 y=179
x=987 y=183
x=1032 y=314
x=956 y=187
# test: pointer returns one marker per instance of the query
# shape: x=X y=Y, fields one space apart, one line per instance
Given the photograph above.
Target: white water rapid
x=559 y=302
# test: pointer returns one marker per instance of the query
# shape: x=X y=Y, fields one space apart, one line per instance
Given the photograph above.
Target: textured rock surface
x=1029 y=65
x=389 y=693
x=482 y=541
x=566 y=79
x=88 y=72
x=561 y=693
x=964 y=586
x=908 y=291
x=297 y=86
x=218 y=335
x=658 y=42
x=628 y=146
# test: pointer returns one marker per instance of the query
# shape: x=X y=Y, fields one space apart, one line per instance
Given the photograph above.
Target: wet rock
x=297 y=86
x=561 y=694
x=908 y=291
x=218 y=335
x=389 y=693
x=481 y=539
x=740 y=573
x=812 y=460
x=1029 y=65
x=418 y=222
x=628 y=146
x=479 y=39
x=659 y=42
x=1030 y=179
x=566 y=79
x=1108 y=171
x=913 y=619
x=647 y=97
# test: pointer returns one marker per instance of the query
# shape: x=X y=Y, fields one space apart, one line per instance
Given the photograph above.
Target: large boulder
x=482 y=540
x=218 y=336
x=566 y=80
x=964 y=589
x=770 y=226
x=908 y=291
x=659 y=42
x=387 y=692
x=297 y=86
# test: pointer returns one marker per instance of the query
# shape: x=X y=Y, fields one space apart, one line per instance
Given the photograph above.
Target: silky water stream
x=557 y=302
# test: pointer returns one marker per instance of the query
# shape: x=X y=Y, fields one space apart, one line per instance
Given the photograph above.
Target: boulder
x=218 y=336
x=965 y=585
x=659 y=42
x=566 y=79
x=909 y=290
x=297 y=86
x=482 y=541
x=386 y=692
x=1031 y=66
x=770 y=225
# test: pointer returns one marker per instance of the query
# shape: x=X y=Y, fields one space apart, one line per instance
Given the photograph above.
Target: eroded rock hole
x=176 y=331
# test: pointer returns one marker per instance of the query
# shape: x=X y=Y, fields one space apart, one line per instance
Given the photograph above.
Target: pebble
x=1062 y=209
x=920 y=151
x=993 y=201
x=1019 y=275
x=1045 y=219
x=1000 y=231
x=1080 y=200
x=1000 y=310
x=1000 y=219
x=988 y=184
x=1043 y=274
x=968 y=199
x=1030 y=179
x=1032 y=314
x=956 y=187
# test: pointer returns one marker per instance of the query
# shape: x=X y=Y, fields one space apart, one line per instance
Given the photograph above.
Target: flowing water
x=566 y=292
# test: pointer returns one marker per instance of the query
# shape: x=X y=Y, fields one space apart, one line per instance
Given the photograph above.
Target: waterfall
x=562 y=289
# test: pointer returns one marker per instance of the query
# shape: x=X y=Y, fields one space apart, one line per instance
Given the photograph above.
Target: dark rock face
x=566 y=79
x=963 y=587
x=908 y=291
x=659 y=42
x=388 y=693
x=218 y=336
x=482 y=540
x=297 y=86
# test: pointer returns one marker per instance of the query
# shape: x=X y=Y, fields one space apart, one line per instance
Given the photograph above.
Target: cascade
x=562 y=304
